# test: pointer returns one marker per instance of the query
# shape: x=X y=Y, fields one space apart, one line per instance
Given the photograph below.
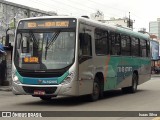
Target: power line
x=70 y=5
x=89 y=7
x=44 y=4
x=102 y=8
x=107 y=6
x=64 y=9
x=110 y=7
x=80 y=9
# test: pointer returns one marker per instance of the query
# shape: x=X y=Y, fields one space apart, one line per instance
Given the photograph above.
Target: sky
x=141 y=11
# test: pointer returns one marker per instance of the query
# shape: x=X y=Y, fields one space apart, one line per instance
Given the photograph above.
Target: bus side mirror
x=3 y=40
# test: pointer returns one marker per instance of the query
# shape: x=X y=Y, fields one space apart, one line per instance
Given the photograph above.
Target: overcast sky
x=142 y=11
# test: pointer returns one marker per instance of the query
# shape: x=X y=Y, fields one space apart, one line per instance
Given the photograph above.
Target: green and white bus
x=70 y=56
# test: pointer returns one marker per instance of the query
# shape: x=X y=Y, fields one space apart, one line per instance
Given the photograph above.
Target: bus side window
x=148 y=48
x=118 y=44
x=111 y=42
x=85 y=44
x=101 y=42
x=126 y=45
x=114 y=43
x=143 y=48
x=135 y=46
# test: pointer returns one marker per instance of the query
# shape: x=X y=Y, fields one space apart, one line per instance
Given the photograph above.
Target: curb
x=5 y=88
x=155 y=75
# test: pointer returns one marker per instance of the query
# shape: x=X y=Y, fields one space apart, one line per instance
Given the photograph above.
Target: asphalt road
x=147 y=98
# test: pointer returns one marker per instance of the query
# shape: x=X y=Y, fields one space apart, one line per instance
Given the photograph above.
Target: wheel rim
x=95 y=91
x=135 y=83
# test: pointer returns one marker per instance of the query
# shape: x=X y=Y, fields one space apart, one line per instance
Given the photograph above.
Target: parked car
x=3 y=65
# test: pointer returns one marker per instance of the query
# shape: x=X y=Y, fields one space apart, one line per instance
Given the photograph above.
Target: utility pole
x=129 y=24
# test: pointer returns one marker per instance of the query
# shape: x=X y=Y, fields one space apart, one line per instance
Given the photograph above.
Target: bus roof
x=97 y=23
x=116 y=29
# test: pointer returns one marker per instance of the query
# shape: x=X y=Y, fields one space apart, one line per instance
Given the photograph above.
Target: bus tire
x=96 y=90
x=133 y=88
x=45 y=98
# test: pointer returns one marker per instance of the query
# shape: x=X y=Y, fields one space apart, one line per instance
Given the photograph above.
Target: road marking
x=157 y=118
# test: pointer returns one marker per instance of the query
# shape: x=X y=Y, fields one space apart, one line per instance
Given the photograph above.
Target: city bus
x=75 y=56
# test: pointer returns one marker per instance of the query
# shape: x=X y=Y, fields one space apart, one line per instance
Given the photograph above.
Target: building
x=121 y=22
x=98 y=16
x=154 y=28
x=10 y=13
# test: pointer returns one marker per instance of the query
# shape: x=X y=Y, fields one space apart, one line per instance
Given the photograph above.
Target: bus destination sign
x=47 y=23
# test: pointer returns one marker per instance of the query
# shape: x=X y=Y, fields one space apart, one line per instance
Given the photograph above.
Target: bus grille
x=41 y=75
x=48 y=90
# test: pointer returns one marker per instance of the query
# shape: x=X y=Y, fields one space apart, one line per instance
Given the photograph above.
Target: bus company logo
x=125 y=69
x=40 y=81
x=49 y=82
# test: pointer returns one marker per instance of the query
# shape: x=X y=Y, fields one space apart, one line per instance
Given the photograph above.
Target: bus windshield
x=44 y=49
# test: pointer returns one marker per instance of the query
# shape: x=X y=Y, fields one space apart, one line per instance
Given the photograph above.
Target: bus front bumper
x=51 y=90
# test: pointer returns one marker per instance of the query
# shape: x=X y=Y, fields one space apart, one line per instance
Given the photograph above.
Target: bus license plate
x=39 y=92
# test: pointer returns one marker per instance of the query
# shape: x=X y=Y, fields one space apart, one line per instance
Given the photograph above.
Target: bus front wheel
x=96 y=90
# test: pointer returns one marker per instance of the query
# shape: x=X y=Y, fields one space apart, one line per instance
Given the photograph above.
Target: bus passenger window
x=118 y=44
x=143 y=48
x=126 y=45
x=85 y=44
x=148 y=48
x=135 y=46
x=114 y=43
x=101 y=42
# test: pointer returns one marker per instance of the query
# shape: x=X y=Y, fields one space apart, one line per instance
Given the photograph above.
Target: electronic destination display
x=47 y=23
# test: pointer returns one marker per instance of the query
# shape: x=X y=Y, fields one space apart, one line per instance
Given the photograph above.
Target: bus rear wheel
x=133 y=88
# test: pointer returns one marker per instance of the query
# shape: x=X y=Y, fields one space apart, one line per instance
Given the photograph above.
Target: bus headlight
x=15 y=79
x=69 y=78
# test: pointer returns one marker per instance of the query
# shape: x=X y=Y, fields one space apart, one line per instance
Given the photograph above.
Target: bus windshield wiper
x=46 y=49
x=49 y=43
x=34 y=39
